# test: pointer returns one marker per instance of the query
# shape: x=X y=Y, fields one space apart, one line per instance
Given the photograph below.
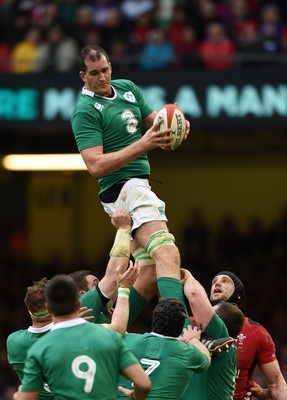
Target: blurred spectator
x=103 y=21
x=140 y=32
x=270 y=28
x=164 y=13
x=45 y=14
x=249 y=44
x=20 y=25
x=118 y=52
x=133 y=9
x=5 y=53
x=206 y=13
x=217 y=50
x=183 y=38
x=187 y=48
x=84 y=25
x=105 y=13
x=240 y=14
x=93 y=36
x=284 y=40
x=107 y=16
x=59 y=52
x=158 y=52
x=25 y=54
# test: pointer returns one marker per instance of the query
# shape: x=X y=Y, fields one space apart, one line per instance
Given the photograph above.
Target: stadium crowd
x=258 y=255
x=40 y=36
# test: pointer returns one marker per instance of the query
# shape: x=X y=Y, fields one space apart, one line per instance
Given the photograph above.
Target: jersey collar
x=92 y=94
x=68 y=324
x=165 y=337
x=33 y=329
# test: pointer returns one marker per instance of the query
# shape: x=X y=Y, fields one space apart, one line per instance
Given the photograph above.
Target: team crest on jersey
x=240 y=339
x=46 y=387
x=98 y=106
x=130 y=97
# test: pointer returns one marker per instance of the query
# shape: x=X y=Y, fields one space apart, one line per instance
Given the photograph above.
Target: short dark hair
x=35 y=300
x=168 y=317
x=91 y=52
x=62 y=295
x=232 y=316
x=79 y=278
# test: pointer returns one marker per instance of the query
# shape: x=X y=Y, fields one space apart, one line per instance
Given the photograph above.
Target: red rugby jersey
x=254 y=346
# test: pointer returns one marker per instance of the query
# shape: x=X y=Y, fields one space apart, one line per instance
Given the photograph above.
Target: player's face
x=221 y=288
x=92 y=281
x=97 y=77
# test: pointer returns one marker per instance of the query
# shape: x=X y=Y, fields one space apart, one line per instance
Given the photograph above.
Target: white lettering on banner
x=59 y=103
x=211 y=101
x=239 y=102
x=249 y=102
x=187 y=100
x=156 y=95
x=221 y=100
x=274 y=100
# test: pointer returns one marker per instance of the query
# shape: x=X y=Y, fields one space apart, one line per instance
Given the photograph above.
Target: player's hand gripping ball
x=173 y=118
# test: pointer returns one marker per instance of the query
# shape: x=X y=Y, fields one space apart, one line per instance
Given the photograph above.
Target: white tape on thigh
x=159 y=239
x=143 y=257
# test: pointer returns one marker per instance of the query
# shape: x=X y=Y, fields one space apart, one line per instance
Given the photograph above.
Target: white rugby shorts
x=142 y=203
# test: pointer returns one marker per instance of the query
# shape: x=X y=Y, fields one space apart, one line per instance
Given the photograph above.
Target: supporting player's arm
x=119 y=254
x=199 y=303
x=120 y=315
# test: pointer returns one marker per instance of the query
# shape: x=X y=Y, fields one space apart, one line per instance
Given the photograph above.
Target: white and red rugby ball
x=173 y=118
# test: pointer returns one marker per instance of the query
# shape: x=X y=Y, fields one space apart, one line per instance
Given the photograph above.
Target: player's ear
x=110 y=66
x=82 y=76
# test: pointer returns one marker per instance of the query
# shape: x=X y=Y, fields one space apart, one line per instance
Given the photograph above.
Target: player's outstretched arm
x=275 y=380
x=199 y=303
x=120 y=316
x=119 y=254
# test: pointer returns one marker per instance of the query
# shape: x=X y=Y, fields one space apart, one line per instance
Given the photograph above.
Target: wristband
x=123 y=292
x=121 y=246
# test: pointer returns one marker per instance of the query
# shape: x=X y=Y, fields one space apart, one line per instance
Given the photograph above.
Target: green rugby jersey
x=168 y=362
x=18 y=343
x=79 y=360
x=114 y=123
x=218 y=382
x=92 y=299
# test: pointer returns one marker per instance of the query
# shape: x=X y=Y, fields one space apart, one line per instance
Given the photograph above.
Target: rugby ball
x=173 y=118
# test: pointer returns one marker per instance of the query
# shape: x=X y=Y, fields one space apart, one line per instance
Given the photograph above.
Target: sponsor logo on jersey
x=130 y=97
x=161 y=210
x=98 y=106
